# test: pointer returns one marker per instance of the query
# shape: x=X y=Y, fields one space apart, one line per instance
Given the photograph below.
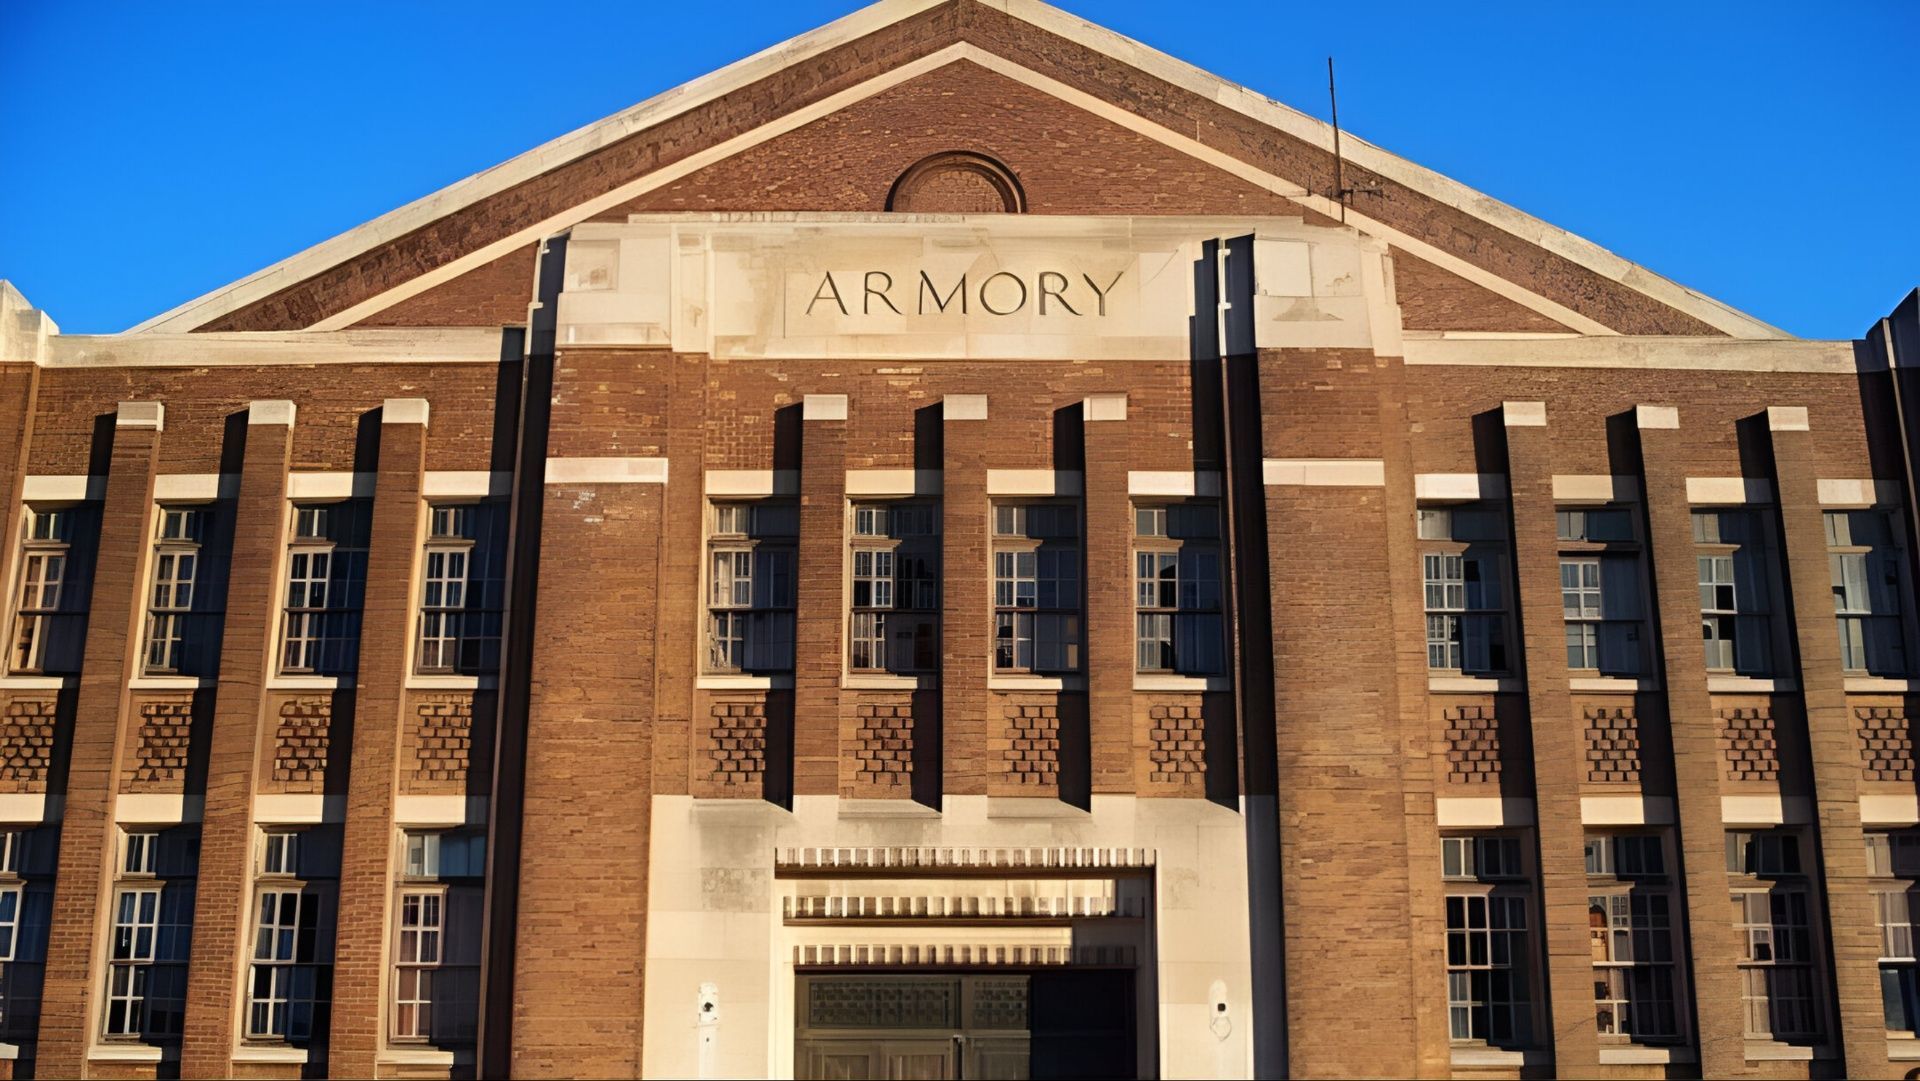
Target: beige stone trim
x=895 y=482
x=454 y=483
x=823 y=407
x=1524 y=414
x=1890 y=809
x=271 y=411
x=1750 y=685
x=193 y=487
x=156 y=808
x=752 y=482
x=1787 y=418
x=404 y=411
x=723 y=681
x=1765 y=810
x=1104 y=407
x=147 y=416
x=336 y=484
x=1324 y=472
x=1729 y=490
x=431 y=345
x=439 y=810
x=1035 y=482
x=1612 y=684
x=298 y=808
x=1626 y=810
x=77 y=488
x=963 y=407
x=1173 y=684
x=1877 y=685
x=606 y=471
x=1174 y=484
x=1482 y=812
x=1595 y=488
x=24 y=808
x=1633 y=353
x=1657 y=417
x=1459 y=487
x=1859 y=493
x=1475 y=685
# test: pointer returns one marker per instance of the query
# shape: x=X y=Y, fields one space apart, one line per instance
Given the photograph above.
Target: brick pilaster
x=966 y=639
x=580 y=957
x=1835 y=752
x=76 y=938
x=821 y=613
x=1719 y=1027
x=216 y=980
x=386 y=626
x=1557 y=748
x=1110 y=660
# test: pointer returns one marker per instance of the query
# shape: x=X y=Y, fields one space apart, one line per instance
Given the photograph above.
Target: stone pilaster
x=77 y=935
x=216 y=977
x=363 y=937
x=821 y=613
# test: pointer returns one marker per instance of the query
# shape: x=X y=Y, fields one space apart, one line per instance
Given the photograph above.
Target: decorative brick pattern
x=1613 y=745
x=739 y=741
x=1033 y=752
x=883 y=743
x=26 y=740
x=160 y=752
x=443 y=738
x=1473 y=745
x=1747 y=745
x=302 y=740
x=1886 y=743
x=1179 y=751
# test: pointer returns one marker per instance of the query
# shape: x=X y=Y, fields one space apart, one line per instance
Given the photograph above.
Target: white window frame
x=424 y=929
x=309 y=578
x=46 y=562
x=446 y=576
x=1157 y=623
x=171 y=592
x=890 y=612
x=740 y=602
x=1015 y=590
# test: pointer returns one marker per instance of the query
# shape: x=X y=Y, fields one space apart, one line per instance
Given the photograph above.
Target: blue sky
x=1764 y=153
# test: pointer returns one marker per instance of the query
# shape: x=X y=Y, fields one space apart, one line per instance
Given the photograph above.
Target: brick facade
x=1257 y=846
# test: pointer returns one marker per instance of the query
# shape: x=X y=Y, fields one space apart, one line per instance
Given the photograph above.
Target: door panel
x=918 y=1060
x=996 y=1058
x=840 y=1060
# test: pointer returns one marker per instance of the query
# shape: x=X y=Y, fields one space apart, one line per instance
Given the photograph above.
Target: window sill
x=440 y=681
x=169 y=683
x=1749 y=685
x=1612 y=684
x=415 y=1056
x=1166 y=681
x=1473 y=684
x=1496 y=1056
x=1643 y=1055
x=1903 y=1049
x=1014 y=682
x=887 y=681
x=270 y=1052
x=728 y=682
x=1771 y=1051
x=37 y=683
x=1878 y=685
x=309 y=683
x=9 y=1052
x=124 y=1052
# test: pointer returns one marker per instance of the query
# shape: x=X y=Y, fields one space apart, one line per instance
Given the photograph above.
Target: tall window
x=750 y=586
x=436 y=946
x=462 y=592
x=1771 y=918
x=1893 y=863
x=1463 y=567
x=176 y=639
x=48 y=617
x=290 y=979
x=1036 y=587
x=896 y=588
x=1864 y=558
x=1489 y=952
x=1176 y=577
x=151 y=935
x=26 y=896
x=1630 y=916
x=1735 y=591
x=326 y=581
x=1600 y=591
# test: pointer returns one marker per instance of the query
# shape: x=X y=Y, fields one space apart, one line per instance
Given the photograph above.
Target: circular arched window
x=957 y=182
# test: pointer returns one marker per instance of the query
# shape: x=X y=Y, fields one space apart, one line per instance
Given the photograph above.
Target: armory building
x=951 y=548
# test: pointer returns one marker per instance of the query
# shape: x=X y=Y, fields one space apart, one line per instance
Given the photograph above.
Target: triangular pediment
x=1090 y=123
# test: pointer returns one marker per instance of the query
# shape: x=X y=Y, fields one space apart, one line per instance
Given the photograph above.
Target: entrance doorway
x=1004 y=1026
